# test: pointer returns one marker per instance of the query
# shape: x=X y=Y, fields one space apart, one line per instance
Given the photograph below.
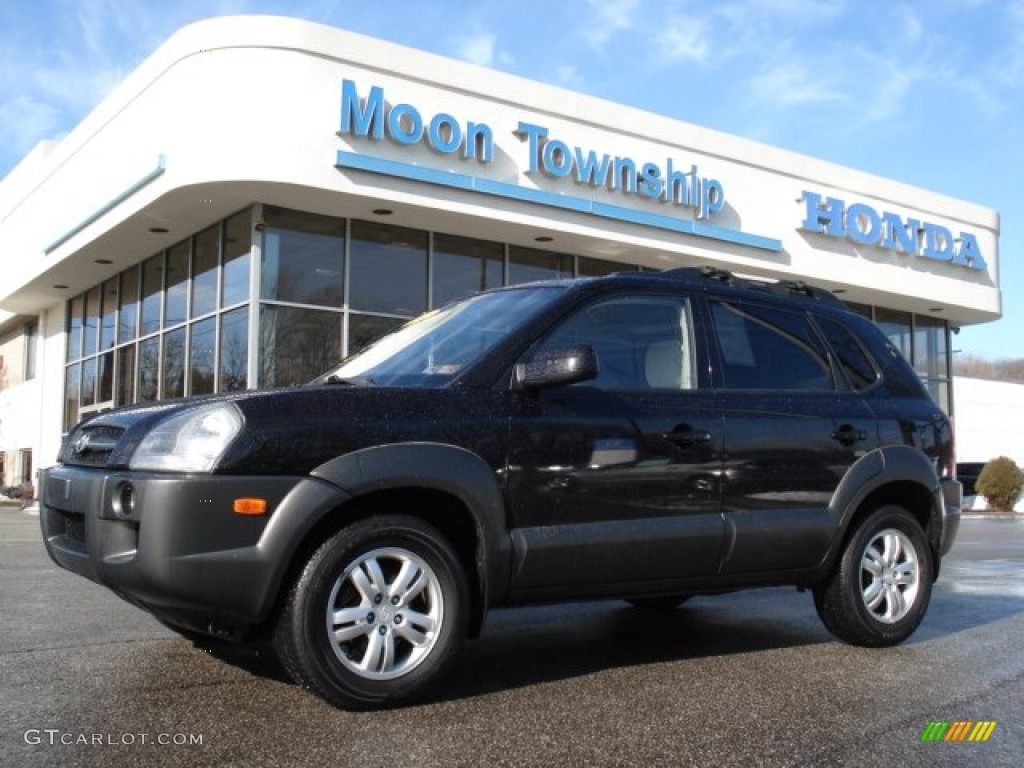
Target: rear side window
x=768 y=348
x=850 y=355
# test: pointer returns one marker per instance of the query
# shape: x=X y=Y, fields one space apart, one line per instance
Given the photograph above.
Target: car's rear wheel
x=376 y=615
x=880 y=590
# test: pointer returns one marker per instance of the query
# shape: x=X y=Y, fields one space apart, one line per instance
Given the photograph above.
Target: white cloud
x=606 y=19
x=685 y=38
x=790 y=83
x=478 y=49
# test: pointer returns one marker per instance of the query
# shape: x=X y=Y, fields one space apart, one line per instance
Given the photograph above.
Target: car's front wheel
x=377 y=613
x=878 y=594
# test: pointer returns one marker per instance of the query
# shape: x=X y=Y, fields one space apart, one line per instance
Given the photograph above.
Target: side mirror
x=557 y=367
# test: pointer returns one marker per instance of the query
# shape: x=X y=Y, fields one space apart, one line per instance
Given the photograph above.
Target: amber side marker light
x=250 y=506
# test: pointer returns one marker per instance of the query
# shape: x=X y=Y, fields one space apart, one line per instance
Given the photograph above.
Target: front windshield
x=435 y=347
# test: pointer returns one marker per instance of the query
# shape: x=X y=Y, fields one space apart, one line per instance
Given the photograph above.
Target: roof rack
x=778 y=287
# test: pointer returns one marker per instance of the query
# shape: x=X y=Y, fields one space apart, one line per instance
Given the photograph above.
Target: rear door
x=793 y=427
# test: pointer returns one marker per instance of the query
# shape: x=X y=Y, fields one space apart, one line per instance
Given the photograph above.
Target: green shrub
x=1000 y=482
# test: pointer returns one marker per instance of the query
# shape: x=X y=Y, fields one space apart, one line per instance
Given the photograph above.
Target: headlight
x=192 y=441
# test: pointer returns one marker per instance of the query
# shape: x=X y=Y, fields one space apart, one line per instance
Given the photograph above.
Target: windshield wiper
x=353 y=381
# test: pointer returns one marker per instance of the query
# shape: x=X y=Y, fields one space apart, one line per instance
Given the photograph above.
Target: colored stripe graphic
x=959 y=730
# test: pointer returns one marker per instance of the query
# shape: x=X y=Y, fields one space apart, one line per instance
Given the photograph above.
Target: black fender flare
x=442 y=467
x=880 y=467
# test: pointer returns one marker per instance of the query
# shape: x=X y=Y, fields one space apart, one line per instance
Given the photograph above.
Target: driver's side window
x=641 y=342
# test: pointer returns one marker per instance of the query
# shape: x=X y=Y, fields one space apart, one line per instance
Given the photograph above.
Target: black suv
x=645 y=436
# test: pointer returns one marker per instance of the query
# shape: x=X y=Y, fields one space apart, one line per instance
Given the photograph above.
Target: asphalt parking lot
x=747 y=679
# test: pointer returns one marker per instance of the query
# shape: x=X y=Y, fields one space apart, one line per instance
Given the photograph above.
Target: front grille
x=90 y=445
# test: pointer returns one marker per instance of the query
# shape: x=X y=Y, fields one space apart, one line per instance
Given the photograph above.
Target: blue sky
x=931 y=94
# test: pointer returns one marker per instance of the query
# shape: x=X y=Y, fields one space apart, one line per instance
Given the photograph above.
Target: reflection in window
x=204 y=271
x=149 y=369
x=152 y=282
x=201 y=357
x=77 y=308
x=129 y=302
x=363 y=330
x=296 y=345
x=234 y=350
x=109 y=314
x=125 y=375
x=174 y=364
x=767 y=348
x=895 y=325
x=930 y=358
x=176 y=298
x=526 y=265
x=588 y=267
x=88 y=382
x=91 y=324
x=237 y=244
x=105 y=377
x=463 y=266
x=303 y=258
x=388 y=272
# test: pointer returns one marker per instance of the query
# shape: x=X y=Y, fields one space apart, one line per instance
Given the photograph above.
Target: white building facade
x=265 y=195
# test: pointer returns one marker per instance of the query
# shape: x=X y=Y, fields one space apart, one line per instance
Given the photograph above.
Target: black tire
x=399 y=605
x=663 y=603
x=881 y=587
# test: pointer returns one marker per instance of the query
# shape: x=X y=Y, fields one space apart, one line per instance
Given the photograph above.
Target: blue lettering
x=535 y=136
x=938 y=243
x=678 y=185
x=590 y=170
x=899 y=234
x=650 y=180
x=825 y=216
x=624 y=174
x=444 y=134
x=863 y=224
x=405 y=125
x=969 y=254
x=712 y=198
x=358 y=118
x=479 y=142
x=557 y=158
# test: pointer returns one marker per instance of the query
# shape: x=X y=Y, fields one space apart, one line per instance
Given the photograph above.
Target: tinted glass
x=201 y=357
x=303 y=258
x=91 y=326
x=149 y=368
x=234 y=350
x=363 y=330
x=463 y=266
x=204 y=271
x=75 y=309
x=895 y=325
x=640 y=342
x=389 y=269
x=174 y=364
x=296 y=344
x=526 y=265
x=125 y=375
x=857 y=366
x=72 y=381
x=129 y=312
x=108 y=318
x=768 y=348
x=237 y=244
x=152 y=282
x=176 y=300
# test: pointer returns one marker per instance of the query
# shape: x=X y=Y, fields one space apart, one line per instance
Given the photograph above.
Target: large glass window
x=296 y=344
x=896 y=325
x=76 y=309
x=174 y=364
x=388 y=272
x=108 y=319
x=234 y=350
x=91 y=323
x=149 y=369
x=125 y=375
x=152 y=294
x=201 y=357
x=176 y=298
x=205 y=256
x=237 y=245
x=303 y=258
x=526 y=265
x=463 y=266
x=72 y=382
x=129 y=305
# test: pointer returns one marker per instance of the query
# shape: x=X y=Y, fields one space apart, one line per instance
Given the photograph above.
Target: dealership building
x=263 y=196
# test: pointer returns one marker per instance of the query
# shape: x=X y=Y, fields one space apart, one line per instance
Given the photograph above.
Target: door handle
x=847 y=435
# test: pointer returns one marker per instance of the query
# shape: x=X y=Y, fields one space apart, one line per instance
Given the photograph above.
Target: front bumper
x=952 y=499
x=173 y=544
